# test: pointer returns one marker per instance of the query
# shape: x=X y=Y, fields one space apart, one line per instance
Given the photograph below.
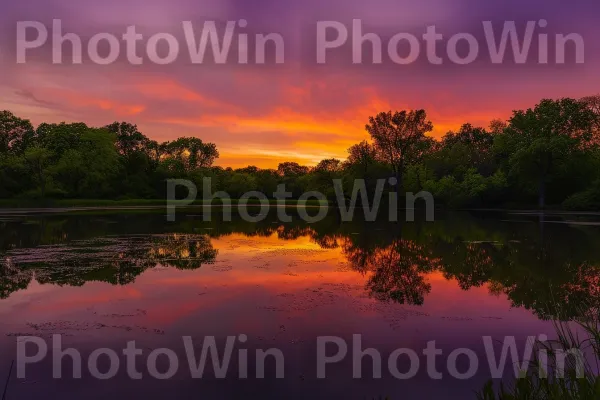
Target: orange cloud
x=78 y=99
x=307 y=136
x=291 y=120
x=172 y=90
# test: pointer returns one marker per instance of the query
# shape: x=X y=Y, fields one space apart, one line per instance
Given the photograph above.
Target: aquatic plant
x=577 y=378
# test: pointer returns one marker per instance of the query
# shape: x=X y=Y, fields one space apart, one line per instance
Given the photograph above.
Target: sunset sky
x=264 y=114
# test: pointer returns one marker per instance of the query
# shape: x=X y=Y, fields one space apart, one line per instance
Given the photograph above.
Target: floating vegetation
x=222 y=268
x=68 y=327
x=116 y=260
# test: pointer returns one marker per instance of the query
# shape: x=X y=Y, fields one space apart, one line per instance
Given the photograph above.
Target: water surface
x=101 y=279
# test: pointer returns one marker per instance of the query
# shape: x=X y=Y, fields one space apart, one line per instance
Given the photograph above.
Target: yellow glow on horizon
x=296 y=130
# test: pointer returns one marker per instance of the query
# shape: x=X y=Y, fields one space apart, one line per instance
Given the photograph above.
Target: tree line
x=545 y=155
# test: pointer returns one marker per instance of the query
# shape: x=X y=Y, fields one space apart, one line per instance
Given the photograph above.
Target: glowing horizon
x=264 y=115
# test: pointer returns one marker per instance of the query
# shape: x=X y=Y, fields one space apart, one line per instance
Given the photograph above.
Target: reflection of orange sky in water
x=274 y=309
x=245 y=267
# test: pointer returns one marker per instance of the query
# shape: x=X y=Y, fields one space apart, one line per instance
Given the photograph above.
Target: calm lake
x=101 y=279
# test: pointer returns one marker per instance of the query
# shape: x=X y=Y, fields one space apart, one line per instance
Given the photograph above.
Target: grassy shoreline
x=67 y=203
x=105 y=203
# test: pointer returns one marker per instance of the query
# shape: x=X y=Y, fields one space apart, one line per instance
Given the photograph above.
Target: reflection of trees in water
x=182 y=251
x=548 y=279
x=293 y=232
x=470 y=263
x=115 y=260
x=559 y=274
x=397 y=272
x=536 y=268
x=12 y=279
x=327 y=242
x=569 y=291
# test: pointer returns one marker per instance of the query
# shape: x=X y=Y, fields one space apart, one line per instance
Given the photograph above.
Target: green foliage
x=90 y=168
x=15 y=133
x=39 y=161
x=129 y=140
x=59 y=138
x=539 y=141
x=291 y=169
x=239 y=183
x=14 y=174
x=458 y=152
x=473 y=190
x=188 y=154
x=550 y=152
x=585 y=200
x=76 y=161
x=399 y=139
x=542 y=384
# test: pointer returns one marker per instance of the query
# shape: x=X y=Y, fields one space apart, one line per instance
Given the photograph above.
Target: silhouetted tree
x=15 y=133
x=400 y=139
x=362 y=155
x=291 y=169
x=540 y=140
